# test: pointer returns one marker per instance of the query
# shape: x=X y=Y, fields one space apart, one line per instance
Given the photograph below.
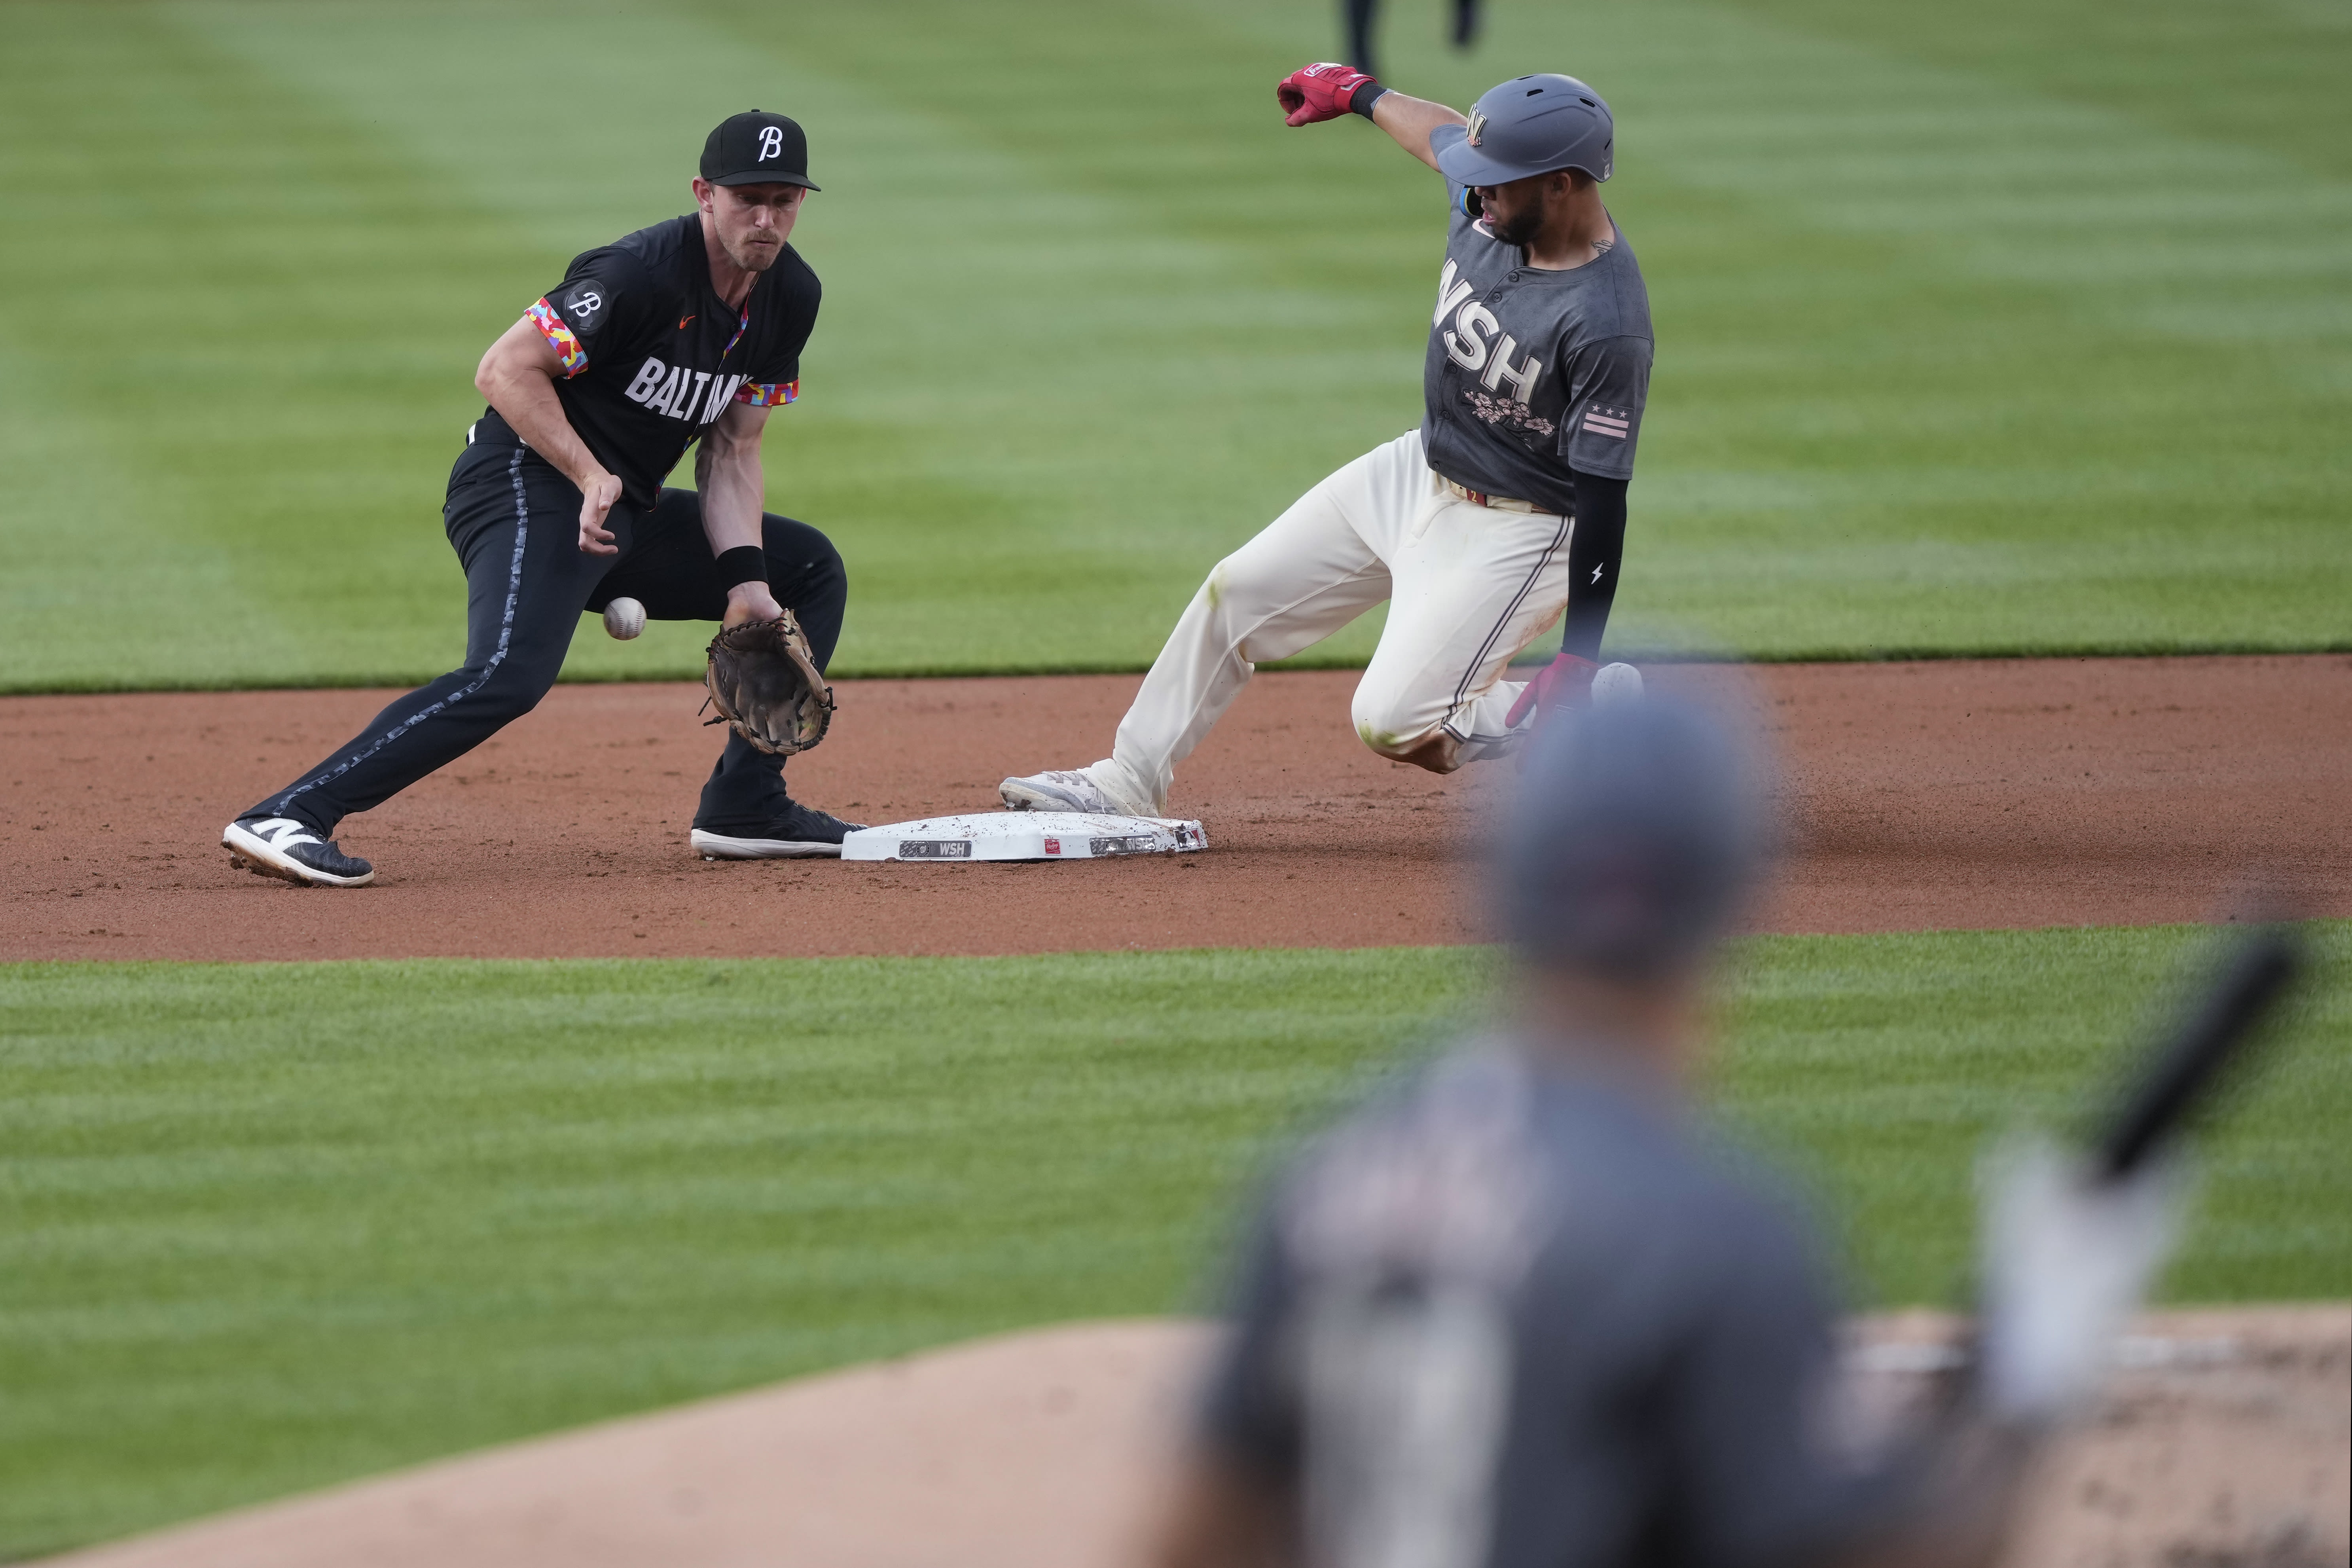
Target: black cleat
x=802 y=832
x=282 y=847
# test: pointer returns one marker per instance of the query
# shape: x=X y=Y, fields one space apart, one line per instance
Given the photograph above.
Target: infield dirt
x=1960 y=794
x=2221 y=1443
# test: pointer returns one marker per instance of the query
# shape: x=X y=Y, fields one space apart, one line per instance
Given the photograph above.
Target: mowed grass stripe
x=262 y=328
x=1042 y=315
x=2266 y=76
x=1904 y=304
x=1940 y=368
x=1020 y=376
x=277 y=1225
x=1833 y=359
x=284 y=1223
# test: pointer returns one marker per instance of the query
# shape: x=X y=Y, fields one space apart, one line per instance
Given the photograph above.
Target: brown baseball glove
x=765 y=683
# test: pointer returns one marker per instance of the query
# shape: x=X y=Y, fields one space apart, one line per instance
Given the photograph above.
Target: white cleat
x=1061 y=789
x=729 y=846
x=282 y=847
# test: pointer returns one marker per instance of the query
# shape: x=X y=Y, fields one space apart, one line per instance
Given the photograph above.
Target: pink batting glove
x=1564 y=679
x=1318 y=93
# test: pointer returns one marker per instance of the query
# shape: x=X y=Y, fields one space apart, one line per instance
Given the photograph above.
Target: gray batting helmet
x=1530 y=125
x=1638 y=830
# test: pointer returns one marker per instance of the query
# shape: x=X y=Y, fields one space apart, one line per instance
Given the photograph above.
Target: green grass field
x=273 y=1225
x=2006 y=329
x=2018 y=328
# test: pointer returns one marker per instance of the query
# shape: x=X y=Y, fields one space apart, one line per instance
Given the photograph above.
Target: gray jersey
x=1514 y=1317
x=1531 y=372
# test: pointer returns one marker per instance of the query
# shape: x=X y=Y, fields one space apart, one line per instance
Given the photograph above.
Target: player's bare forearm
x=732 y=486
x=518 y=376
x=1411 y=119
x=729 y=476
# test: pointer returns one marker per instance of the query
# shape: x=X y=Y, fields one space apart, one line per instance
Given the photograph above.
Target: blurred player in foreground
x=1521 y=1311
x=1504 y=508
x=689 y=332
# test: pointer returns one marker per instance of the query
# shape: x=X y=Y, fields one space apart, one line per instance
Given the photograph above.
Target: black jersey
x=651 y=356
x=1531 y=372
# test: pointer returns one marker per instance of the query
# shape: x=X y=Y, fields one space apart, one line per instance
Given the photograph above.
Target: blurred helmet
x=1638 y=829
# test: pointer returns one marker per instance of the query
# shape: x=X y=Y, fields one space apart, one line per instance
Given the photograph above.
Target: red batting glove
x=1318 y=93
x=1565 y=679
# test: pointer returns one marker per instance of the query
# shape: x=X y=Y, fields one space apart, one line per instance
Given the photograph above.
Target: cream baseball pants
x=1468 y=586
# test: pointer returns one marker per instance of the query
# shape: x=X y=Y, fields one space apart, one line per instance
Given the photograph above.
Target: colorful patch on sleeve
x=768 y=394
x=559 y=338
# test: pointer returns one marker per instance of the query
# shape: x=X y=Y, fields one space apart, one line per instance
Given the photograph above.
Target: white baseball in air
x=1614 y=683
x=625 y=618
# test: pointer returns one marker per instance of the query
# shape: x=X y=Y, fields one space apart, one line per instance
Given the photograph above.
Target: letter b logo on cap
x=757 y=148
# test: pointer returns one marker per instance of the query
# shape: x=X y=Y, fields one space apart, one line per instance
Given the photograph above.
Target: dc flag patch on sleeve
x=1615 y=423
x=1600 y=435
x=1609 y=382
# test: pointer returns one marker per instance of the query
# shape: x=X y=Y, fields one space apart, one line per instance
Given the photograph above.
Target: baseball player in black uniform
x=689 y=331
x=1522 y=1312
x=1506 y=507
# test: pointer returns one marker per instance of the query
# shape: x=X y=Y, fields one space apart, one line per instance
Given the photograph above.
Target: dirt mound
x=1958 y=794
x=2224 y=1440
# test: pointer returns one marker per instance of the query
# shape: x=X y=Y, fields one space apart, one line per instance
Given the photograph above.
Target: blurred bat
x=2185 y=1067
x=2166 y=1088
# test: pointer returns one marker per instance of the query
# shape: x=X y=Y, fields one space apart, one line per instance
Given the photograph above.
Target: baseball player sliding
x=1506 y=507
x=689 y=331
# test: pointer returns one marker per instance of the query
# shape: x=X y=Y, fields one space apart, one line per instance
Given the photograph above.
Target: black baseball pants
x=514 y=521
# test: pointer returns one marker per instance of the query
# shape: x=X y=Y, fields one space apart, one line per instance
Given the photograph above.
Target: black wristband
x=1361 y=101
x=744 y=564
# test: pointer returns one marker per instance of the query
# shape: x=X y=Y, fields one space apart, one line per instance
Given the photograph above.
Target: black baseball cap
x=757 y=148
